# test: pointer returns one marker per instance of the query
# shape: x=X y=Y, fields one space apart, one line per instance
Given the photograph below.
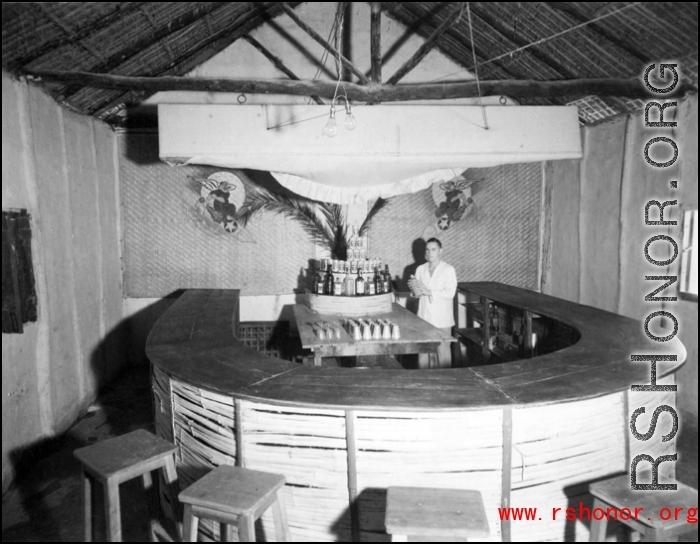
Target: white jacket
x=438 y=309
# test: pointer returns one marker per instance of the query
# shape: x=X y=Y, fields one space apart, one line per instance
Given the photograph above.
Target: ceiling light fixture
x=331 y=128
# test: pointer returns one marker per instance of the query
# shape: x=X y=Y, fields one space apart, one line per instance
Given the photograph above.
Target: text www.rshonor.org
x=584 y=513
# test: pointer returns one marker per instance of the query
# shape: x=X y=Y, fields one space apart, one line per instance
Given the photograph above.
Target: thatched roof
x=579 y=40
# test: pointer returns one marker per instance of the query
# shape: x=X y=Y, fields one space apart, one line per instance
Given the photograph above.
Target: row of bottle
x=351 y=285
x=339 y=266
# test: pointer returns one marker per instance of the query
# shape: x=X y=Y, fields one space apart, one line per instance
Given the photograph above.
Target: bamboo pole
x=630 y=88
x=376 y=41
x=352 y=474
x=332 y=50
x=507 y=460
x=239 y=433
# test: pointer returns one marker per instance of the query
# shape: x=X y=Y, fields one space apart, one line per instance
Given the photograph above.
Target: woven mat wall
x=499 y=244
x=168 y=245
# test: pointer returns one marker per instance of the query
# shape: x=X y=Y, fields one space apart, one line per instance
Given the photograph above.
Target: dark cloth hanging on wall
x=18 y=291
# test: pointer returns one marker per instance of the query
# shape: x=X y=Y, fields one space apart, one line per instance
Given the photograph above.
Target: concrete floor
x=45 y=504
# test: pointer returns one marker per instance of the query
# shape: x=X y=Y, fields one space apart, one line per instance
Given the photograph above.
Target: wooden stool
x=235 y=496
x=616 y=493
x=454 y=514
x=117 y=460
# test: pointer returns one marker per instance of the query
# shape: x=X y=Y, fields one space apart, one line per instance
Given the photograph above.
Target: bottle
x=370 y=286
x=337 y=285
x=351 y=240
x=328 y=281
x=349 y=283
x=359 y=284
x=378 y=283
x=387 y=279
x=318 y=282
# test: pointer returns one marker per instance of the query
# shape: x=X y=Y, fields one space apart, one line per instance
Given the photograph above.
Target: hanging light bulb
x=350 y=122
x=331 y=129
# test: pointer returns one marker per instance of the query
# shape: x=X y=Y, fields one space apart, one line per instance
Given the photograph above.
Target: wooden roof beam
x=277 y=62
x=208 y=48
x=376 y=41
x=630 y=88
x=332 y=50
x=150 y=39
x=427 y=46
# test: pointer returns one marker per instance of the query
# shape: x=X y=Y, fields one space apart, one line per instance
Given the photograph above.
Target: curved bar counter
x=530 y=433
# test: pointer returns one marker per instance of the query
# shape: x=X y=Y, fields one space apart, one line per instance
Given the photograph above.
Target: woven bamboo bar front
x=531 y=433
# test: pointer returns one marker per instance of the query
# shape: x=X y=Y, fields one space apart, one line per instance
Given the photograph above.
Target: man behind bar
x=435 y=283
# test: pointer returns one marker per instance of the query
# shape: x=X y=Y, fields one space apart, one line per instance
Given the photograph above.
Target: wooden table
x=417 y=336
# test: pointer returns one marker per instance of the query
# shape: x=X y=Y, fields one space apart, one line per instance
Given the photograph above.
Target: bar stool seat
x=117 y=460
x=446 y=515
x=657 y=505
x=235 y=496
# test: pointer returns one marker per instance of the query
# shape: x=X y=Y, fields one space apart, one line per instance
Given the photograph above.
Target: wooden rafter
x=149 y=39
x=332 y=50
x=208 y=48
x=376 y=41
x=630 y=88
x=277 y=62
x=427 y=46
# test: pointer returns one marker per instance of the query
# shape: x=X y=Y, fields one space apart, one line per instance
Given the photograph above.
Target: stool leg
x=191 y=523
x=151 y=501
x=598 y=527
x=87 y=504
x=224 y=532
x=279 y=514
x=173 y=484
x=113 y=512
x=246 y=529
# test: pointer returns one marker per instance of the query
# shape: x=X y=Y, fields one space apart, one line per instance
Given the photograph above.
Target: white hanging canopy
x=393 y=150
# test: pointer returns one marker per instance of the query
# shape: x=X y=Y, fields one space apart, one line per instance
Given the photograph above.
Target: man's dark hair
x=438 y=242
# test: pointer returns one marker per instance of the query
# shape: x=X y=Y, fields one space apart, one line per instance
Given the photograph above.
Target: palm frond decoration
x=338 y=230
x=378 y=205
x=293 y=208
x=327 y=227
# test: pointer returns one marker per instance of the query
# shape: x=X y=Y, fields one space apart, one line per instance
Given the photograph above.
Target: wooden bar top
x=193 y=342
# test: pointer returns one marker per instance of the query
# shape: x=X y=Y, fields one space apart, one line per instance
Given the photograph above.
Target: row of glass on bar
x=352 y=278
